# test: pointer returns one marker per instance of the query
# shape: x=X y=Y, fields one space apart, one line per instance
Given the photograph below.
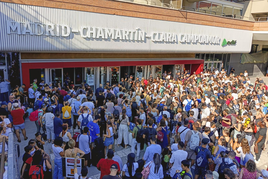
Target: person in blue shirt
x=75 y=108
x=98 y=90
x=151 y=150
x=38 y=103
x=29 y=109
x=203 y=157
x=94 y=128
x=57 y=125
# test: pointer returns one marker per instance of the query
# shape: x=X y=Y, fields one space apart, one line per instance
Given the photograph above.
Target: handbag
x=145 y=172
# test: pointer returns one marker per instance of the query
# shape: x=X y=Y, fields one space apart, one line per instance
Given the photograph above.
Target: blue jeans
x=4 y=97
x=57 y=169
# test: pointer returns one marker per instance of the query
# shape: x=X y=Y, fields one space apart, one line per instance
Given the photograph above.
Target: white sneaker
x=257 y=161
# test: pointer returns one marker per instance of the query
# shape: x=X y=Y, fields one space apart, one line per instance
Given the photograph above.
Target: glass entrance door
x=56 y=76
x=3 y=73
x=114 y=75
x=140 y=72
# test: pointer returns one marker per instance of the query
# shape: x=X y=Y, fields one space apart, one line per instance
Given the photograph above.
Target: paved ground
x=93 y=171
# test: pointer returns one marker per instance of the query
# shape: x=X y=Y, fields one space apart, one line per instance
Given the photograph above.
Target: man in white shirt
x=207 y=100
x=186 y=101
x=84 y=144
x=85 y=115
x=183 y=130
x=90 y=105
x=176 y=159
x=165 y=112
x=205 y=112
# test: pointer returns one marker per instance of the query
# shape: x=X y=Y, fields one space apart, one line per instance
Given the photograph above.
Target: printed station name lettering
x=88 y=32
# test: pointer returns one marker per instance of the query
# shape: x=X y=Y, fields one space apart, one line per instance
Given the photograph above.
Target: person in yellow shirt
x=67 y=114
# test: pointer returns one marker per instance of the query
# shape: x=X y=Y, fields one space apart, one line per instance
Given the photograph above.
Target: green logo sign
x=225 y=42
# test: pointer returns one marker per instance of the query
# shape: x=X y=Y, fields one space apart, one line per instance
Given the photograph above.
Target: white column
x=47 y=76
x=108 y=75
x=102 y=74
x=97 y=77
x=153 y=71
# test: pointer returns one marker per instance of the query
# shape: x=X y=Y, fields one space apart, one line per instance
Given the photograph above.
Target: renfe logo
x=225 y=42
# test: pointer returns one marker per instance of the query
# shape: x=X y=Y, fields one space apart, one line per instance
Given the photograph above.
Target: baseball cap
x=78 y=97
x=15 y=105
x=110 y=153
x=205 y=141
x=114 y=166
x=162 y=100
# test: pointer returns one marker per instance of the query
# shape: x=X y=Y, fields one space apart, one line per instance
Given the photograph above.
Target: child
x=29 y=110
x=165 y=161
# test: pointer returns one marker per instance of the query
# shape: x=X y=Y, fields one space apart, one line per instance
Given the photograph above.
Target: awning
x=260 y=35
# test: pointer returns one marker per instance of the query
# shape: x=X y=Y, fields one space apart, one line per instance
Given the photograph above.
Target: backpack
x=144 y=104
x=194 y=140
x=160 y=107
x=224 y=165
x=134 y=105
x=212 y=136
x=36 y=105
x=84 y=120
x=131 y=126
x=66 y=114
x=181 y=175
x=116 y=113
x=160 y=136
x=169 y=101
x=150 y=132
x=201 y=157
x=224 y=106
x=75 y=138
x=36 y=172
x=66 y=98
x=34 y=116
x=139 y=137
x=188 y=105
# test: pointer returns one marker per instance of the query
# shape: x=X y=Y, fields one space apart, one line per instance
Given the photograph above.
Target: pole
x=2 y=158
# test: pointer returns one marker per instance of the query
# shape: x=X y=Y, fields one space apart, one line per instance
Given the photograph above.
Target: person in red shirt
x=18 y=121
x=104 y=165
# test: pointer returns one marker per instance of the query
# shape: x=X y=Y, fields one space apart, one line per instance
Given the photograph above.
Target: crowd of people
x=209 y=125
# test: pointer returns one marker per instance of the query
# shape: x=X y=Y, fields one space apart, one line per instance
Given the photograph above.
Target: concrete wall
x=256 y=70
x=259 y=6
x=247 y=11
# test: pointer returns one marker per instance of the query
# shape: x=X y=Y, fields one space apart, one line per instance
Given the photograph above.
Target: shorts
x=87 y=158
x=191 y=155
x=200 y=171
x=68 y=121
x=20 y=126
x=109 y=141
